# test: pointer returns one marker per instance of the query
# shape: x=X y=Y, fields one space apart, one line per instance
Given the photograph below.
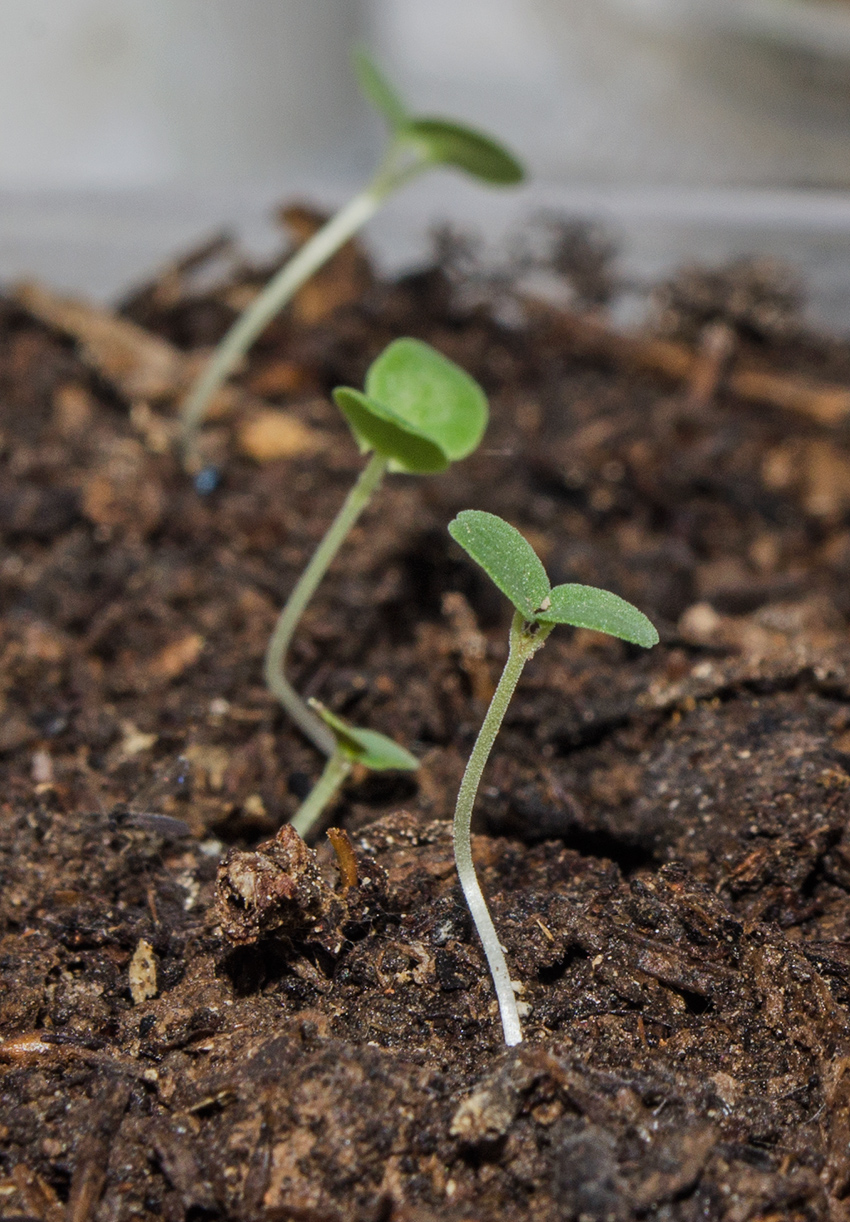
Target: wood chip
x=134 y=741
x=142 y=973
x=73 y=409
x=140 y=364
x=271 y=435
x=173 y=659
x=281 y=377
x=38 y=1196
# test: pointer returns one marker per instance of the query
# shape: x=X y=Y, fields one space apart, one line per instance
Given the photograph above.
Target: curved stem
x=523 y=645
x=356 y=501
x=335 y=771
x=283 y=287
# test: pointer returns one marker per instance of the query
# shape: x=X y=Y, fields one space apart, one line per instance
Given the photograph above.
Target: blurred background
x=691 y=128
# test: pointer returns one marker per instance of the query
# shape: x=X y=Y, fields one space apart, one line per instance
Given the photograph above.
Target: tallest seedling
x=415 y=144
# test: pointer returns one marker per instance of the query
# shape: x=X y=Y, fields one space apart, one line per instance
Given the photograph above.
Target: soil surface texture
x=663 y=836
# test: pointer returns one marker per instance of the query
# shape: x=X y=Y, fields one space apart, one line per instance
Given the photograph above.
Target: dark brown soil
x=663 y=835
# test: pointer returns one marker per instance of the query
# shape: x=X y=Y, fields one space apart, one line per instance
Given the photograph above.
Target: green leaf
x=377 y=428
x=505 y=556
x=588 y=607
x=513 y=565
x=454 y=144
x=434 y=396
x=367 y=747
x=439 y=140
x=376 y=89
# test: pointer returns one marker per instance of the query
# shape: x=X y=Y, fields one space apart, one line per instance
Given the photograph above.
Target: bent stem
x=284 y=285
x=525 y=641
x=356 y=501
x=335 y=771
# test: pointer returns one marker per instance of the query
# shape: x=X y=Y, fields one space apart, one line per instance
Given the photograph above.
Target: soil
x=662 y=835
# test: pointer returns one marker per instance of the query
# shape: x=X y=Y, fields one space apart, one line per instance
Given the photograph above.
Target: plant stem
x=335 y=771
x=283 y=287
x=311 y=725
x=524 y=644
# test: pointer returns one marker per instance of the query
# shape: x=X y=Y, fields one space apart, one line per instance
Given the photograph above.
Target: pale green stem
x=335 y=771
x=285 y=284
x=356 y=501
x=524 y=643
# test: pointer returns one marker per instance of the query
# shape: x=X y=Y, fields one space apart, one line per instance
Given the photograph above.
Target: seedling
x=419 y=412
x=515 y=568
x=416 y=143
x=351 y=746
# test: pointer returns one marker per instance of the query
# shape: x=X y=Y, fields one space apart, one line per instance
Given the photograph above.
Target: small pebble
x=42 y=768
x=206 y=481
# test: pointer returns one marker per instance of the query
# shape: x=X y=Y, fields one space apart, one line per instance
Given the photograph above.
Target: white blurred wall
x=152 y=92
x=673 y=92
x=130 y=127
x=106 y=93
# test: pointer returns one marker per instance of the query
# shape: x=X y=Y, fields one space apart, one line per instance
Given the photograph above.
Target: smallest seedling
x=515 y=568
x=352 y=746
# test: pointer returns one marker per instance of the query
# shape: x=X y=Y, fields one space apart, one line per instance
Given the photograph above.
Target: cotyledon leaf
x=431 y=393
x=589 y=607
x=378 y=428
x=505 y=556
x=442 y=141
x=367 y=747
x=448 y=143
x=376 y=89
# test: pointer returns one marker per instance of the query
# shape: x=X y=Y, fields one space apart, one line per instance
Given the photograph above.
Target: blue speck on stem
x=206 y=481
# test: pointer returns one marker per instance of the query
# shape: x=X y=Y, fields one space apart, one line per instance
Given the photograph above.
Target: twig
x=717 y=346
x=346 y=860
x=92 y=1161
x=828 y=403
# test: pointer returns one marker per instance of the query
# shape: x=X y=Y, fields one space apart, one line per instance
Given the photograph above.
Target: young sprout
x=416 y=144
x=513 y=565
x=351 y=746
x=419 y=412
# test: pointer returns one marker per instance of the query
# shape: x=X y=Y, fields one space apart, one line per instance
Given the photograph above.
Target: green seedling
x=511 y=562
x=418 y=413
x=351 y=746
x=416 y=144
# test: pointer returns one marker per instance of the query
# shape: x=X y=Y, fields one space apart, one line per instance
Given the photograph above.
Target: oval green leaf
x=505 y=556
x=434 y=396
x=367 y=747
x=588 y=607
x=376 y=89
x=377 y=428
x=454 y=144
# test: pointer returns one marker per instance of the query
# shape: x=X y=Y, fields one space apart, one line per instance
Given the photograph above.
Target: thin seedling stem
x=356 y=501
x=514 y=566
x=524 y=643
x=335 y=771
x=282 y=288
